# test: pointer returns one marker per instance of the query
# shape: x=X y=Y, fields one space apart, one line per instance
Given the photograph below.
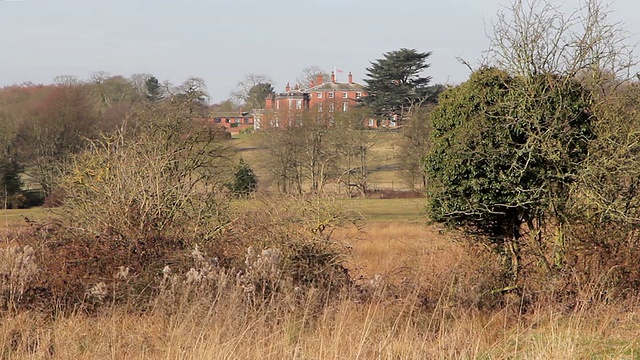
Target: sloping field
x=383 y=161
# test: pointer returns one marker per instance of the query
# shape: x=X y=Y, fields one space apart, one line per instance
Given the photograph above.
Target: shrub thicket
x=146 y=220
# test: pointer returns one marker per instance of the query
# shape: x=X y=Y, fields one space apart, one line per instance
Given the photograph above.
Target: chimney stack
x=287 y=88
x=333 y=77
x=319 y=79
x=350 y=78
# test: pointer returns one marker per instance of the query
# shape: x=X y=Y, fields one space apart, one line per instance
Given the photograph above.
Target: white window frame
x=345 y=106
x=358 y=95
x=298 y=104
x=290 y=104
x=345 y=95
x=320 y=107
x=319 y=95
x=332 y=107
x=331 y=95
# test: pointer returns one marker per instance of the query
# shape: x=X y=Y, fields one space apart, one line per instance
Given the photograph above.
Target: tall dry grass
x=381 y=329
x=419 y=306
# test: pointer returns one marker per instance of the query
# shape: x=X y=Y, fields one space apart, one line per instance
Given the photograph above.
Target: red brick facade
x=321 y=96
x=233 y=122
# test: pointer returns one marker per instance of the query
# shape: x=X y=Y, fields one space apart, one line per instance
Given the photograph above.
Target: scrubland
x=415 y=292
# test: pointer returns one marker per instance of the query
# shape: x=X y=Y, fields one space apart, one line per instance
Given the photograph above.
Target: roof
x=230 y=114
x=292 y=94
x=329 y=86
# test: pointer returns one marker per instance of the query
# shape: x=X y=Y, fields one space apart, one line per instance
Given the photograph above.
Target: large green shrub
x=504 y=151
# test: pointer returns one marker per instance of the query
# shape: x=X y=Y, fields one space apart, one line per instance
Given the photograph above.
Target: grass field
x=396 y=248
x=383 y=160
x=20 y=217
x=387 y=209
x=370 y=209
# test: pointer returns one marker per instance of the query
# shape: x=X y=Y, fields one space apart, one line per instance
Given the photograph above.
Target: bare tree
x=535 y=37
x=310 y=74
x=67 y=80
x=353 y=144
x=99 y=77
x=138 y=81
x=245 y=86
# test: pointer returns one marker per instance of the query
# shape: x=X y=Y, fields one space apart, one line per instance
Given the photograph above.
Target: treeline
x=41 y=125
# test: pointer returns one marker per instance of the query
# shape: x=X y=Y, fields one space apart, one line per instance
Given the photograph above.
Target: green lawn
x=387 y=209
x=20 y=216
x=370 y=209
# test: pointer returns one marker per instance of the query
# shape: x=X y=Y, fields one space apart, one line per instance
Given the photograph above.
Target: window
x=290 y=104
x=319 y=95
x=330 y=95
x=278 y=105
x=217 y=120
x=371 y=123
x=345 y=106
x=320 y=107
x=345 y=95
x=298 y=104
x=358 y=95
x=331 y=107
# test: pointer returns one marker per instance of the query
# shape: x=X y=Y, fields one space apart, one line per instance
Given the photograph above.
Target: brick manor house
x=323 y=97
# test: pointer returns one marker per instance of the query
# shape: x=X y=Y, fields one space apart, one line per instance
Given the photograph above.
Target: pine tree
x=395 y=83
x=244 y=180
x=153 y=89
x=10 y=183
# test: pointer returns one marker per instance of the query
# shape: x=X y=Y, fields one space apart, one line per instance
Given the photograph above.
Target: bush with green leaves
x=505 y=150
x=244 y=180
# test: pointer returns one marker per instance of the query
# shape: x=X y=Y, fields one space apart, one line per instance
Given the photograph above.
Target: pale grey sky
x=222 y=40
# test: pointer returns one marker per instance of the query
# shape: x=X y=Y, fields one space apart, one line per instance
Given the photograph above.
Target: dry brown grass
x=392 y=247
x=425 y=319
x=344 y=330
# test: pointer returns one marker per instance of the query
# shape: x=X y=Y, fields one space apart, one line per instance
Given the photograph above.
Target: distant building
x=319 y=96
x=233 y=121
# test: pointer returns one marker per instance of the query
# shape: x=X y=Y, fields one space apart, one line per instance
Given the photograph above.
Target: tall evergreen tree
x=257 y=96
x=10 y=183
x=244 y=180
x=153 y=89
x=395 y=83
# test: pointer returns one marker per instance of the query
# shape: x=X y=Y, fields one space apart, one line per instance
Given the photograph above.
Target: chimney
x=287 y=88
x=333 y=77
x=350 y=78
x=319 y=79
x=297 y=87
